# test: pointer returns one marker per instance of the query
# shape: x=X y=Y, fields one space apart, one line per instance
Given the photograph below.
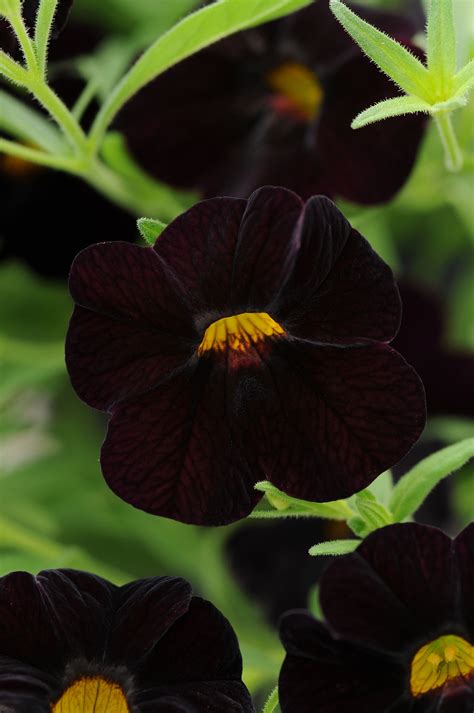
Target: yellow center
x=299 y=86
x=435 y=664
x=92 y=694
x=239 y=332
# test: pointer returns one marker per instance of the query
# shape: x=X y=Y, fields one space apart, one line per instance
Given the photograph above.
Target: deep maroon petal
x=340 y=290
x=327 y=44
x=464 y=545
x=199 y=247
x=183 y=124
x=200 y=646
x=25 y=689
x=265 y=250
x=366 y=399
x=175 y=451
x=325 y=675
x=211 y=697
x=459 y=700
x=396 y=592
x=371 y=164
x=145 y=611
x=54 y=617
x=131 y=328
x=108 y=359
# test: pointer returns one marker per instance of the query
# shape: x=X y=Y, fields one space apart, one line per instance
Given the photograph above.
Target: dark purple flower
x=71 y=641
x=399 y=629
x=273 y=105
x=421 y=340
x=250 y=342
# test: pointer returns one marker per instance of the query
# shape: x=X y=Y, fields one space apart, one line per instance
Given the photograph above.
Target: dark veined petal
x=200 y=646
x=42 y=618
x=175 y=451
x=464 y=545
x=371 y=164
x=145 y=610
x=199 y=246
x=397 y=589
x=182 y=126
x=458 y=700
x=131 y=328
x=340 y=290
x=366 y=399
x=25 y=689
x=265 y=251
x=329 y=676
x=212 y=697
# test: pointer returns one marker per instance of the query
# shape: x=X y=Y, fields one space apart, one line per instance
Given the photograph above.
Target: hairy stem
x=452 y=152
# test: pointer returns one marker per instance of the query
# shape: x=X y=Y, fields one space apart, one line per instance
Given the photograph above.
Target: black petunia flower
x=71 y=642
x=399 y=632
x=248 y=343
x=273 y=105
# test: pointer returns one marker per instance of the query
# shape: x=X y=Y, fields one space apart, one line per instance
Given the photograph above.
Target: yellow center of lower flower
x=239 y=332
x=439 y=662
x=92 y=694
x=299 y=86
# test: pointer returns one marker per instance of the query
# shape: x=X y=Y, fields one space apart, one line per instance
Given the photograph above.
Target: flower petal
x=397 y=588
x=200 y=646
x=25 y=689
x=366 y=165
x=464 y=545
x=175 y=452
x=323 y=674
x=266 y=250
x=366 y=399
x=199 y=247
x=46 y=613
x=145 y=611
x=131 y=327
x=340 y=290
x=212 y=697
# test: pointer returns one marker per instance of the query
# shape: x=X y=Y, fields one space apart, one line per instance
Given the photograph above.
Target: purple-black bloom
x=274 y=105
x=398 y=635
x=249 y=343
x=71 y=641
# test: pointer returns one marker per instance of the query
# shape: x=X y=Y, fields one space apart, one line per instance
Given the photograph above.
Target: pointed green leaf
x=335 y=510
x=464 y=79
x=23 y=122
x=415 y=486
x=150 y=229
x=334 y=547
x=441 y=42
x=373 y=513
x=44 y=23
x=393 y=59
x=388 y=108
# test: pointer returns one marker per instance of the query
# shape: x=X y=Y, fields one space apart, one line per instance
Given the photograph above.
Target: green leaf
x=44 y=24
x=399 y=106
x=192 y=34
x=373 y=513
x=150 y=229
x=334 y=547
x=414 y=486
x=23 y=122
x=464 y=79
x=335 y=510
x=393 y=59
x=441 y=43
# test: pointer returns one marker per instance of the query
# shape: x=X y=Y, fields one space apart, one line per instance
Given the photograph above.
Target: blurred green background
x=56 y=510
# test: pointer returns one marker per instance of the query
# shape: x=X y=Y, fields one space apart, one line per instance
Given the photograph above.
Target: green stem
x=272 y=703
x=18 y=26
x=111 y=185
x=60 y=113
x=44 y=23
x=452 y=151
x=62 y=163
